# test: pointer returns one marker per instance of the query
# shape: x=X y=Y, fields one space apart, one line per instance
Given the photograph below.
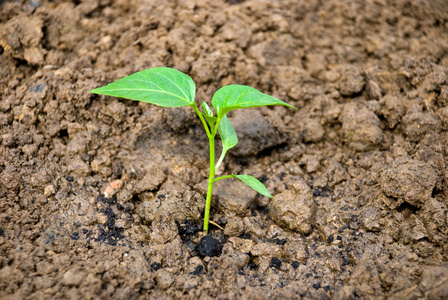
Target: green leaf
x=207 y=109
x=227 y=133
x=254 y=183
x=160 y=86
x=209 y=115
x=233 y=97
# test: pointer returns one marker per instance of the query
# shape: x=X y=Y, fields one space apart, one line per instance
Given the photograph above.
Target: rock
x=442 y=113
x=410 y=181
x=240 y=260
x=186 y=282
x=180 y=205
x=433 y=214
x=311 y=130
x=116 y=110
x=392 y=109
x=351 y=81
x=315 y=64
x=294 y=209
x=373 y=90
x=163 y=229
x=295 y=251
x=267 y=249
x=78 y=168
x=73 y=277
x=360 y=127
x=101 y=163
x=413 y=229
x=416 y=124
x=164 y=279
x=275 y=263
x=234 y=227
x=79 y=143
x=21 y=38
x=233 y=197
x=153 y=178
x=370 y=218
x=255 y=134
x=209 y=246
x=243 y=245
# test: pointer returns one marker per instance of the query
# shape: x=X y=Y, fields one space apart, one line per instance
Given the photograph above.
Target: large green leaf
x=233 y=97
x=227 y=133
x=254 y=183
x=160 y=86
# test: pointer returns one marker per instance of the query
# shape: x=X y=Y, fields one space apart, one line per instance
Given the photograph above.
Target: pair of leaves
x=171 y=88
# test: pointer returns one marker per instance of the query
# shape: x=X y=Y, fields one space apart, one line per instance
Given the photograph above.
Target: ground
x=103 y=197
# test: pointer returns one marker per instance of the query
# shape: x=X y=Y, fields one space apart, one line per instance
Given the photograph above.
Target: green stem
x=223 y=177
x=211 y=133
x=202 y=119
x=211 y=176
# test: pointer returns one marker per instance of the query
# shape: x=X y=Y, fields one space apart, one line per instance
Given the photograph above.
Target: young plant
x=171 y=88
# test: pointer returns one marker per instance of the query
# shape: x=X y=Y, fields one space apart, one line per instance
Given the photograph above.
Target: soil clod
x=209 y=246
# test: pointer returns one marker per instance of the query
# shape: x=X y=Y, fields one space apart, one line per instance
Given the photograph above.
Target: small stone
x=294 y=209
x=101 y=219
x=243 y=245
x=164 y=279
x=49 y=190
x=233 y=197
x=417 y=124
x=234 y=227
x=152 y=180
x=155 y=266
x=351 y=82
x=360 y=127
x=209 y=246
x=275 y=263
x=311 y=130
x=373 y=90
x=370 y=218
x=295 y=251
x=295 y=264
x=73 y=277
x=392 y=109
x=410 y=181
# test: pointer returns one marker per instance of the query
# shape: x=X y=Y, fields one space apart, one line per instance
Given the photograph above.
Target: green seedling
x=171 y=88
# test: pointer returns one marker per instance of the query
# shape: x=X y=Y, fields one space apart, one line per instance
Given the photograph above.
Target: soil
x=103 y=197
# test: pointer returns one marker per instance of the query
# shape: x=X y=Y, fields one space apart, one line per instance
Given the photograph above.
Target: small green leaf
x=160 y=86
x=227 y=133
x=254 y=183
x=233 y=97
x=209 y=115
x=207 y=109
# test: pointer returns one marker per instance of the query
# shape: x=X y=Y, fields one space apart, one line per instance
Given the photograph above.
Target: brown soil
x=102 y=197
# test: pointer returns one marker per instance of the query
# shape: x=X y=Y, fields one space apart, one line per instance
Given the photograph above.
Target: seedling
x=171 y=88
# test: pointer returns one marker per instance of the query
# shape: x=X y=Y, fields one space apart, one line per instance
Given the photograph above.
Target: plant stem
x=202 y=120
x=223 y=177
x=211 y=133
x=211 y=176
